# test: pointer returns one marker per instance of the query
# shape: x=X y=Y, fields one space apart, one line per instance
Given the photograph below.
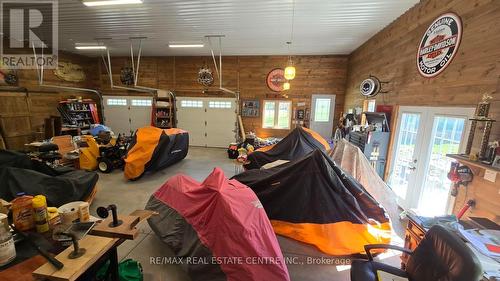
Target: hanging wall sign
x=275 y=79
x=205 y=77
x=127 y=76
x=439 y=45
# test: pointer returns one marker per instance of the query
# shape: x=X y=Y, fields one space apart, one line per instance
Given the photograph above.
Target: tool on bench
x=125 y=229
x=103 y=212
x=77 y=251
x=43 y=252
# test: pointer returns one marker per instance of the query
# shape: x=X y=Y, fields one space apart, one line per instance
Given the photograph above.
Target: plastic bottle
x=22 y=212
x=7 y=246
x=41 y=215
x=84 y=212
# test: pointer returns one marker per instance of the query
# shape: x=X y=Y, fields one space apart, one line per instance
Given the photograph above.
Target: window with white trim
x=219 y=104
x=277 y=114
x=192 y=103
x=141 y=102
x=371 y=106
x=322 y=110
x=116 y=102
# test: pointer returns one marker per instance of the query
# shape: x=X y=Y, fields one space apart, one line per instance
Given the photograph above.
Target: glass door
x=402 y=178
x=419 y=171
x=447 y=135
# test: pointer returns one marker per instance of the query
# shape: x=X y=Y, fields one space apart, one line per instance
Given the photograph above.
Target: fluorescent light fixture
x=90 y=47
x=175 y=45
x=110 y=2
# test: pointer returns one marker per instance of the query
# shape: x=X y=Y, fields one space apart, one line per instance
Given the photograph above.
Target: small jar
x=7 y=246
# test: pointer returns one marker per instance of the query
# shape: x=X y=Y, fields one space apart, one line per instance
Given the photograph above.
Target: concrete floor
x=129 y=196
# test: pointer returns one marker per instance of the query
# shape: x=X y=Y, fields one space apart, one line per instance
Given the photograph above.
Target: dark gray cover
x=19 y=173
x=180 y=236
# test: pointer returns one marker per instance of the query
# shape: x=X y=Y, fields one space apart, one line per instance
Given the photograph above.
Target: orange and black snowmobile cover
x=312 y=200
x=152 y=149
x=296 y=144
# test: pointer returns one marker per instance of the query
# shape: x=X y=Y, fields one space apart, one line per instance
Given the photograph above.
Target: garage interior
x=250 y=140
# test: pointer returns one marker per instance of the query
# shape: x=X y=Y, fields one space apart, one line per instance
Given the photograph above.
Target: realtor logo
x=26 y=25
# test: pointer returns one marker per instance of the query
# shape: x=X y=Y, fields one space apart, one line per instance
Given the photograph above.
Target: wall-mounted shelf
x=163 y=115
x=78 y=113
x=466 y=160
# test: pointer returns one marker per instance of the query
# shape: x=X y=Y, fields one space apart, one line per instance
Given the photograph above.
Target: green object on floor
x=128 y=270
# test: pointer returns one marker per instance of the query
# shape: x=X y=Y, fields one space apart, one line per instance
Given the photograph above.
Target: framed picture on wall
x=496 y=162
x=250 y=108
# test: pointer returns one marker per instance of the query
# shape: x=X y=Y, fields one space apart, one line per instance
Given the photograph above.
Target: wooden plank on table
x=126 y=230
x=95 y=248
x=143 y=214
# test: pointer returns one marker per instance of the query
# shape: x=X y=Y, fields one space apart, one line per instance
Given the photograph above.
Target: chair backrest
x=443 y=256
x=65 y=144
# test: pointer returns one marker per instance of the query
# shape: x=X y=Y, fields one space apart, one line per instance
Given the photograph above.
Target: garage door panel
x=210 y=121
x=221 y=118
x=116 y=114
x=140 y=112
x=190 y=117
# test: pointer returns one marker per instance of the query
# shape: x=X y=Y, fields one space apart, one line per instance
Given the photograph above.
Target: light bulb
x=290 y=72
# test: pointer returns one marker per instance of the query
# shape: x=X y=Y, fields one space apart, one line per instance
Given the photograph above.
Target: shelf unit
x=78 y=114
x=465 y=160
x=163 y=115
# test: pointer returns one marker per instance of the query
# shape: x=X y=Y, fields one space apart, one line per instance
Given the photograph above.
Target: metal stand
x=103 y=212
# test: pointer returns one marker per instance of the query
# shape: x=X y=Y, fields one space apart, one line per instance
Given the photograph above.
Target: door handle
x=412 y=168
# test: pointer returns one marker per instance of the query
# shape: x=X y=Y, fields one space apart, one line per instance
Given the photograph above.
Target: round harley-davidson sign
x=439 y=45
x=275 y=79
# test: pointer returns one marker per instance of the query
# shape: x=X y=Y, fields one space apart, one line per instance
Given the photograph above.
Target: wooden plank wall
x=390 y=55
x=315 y=74
x=41 y=102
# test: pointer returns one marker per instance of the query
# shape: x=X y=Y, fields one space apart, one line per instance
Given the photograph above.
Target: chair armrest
x=384 y=246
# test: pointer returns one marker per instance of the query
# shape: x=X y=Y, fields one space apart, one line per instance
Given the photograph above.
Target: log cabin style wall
x=23 y=109
x=315 y=75
x=391 y=56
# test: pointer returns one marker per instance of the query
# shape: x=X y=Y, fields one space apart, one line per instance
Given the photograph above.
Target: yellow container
x=53 y=217
x=41 y=215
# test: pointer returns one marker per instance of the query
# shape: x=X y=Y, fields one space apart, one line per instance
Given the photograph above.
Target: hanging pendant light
x=290 y=68
x=286 y=86
x=290 y=71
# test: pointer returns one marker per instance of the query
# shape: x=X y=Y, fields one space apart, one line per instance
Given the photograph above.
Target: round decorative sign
x=205 y=77
x=127 y=76
x=275 y=79
x=439 y=45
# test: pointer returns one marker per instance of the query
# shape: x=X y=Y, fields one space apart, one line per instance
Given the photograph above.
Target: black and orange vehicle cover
x=312 y=200
x=153 y=149
x=296 y=144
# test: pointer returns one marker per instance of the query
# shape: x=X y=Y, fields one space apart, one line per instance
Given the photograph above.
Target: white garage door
x=209 y=121
x=124 y=114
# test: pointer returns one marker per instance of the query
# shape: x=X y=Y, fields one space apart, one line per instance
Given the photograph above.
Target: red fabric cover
x=230 y=221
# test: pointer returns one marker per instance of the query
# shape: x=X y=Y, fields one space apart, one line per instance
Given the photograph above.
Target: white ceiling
x=251 y=27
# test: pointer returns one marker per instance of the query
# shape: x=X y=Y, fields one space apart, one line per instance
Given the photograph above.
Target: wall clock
x=439 y=45
x=370 y=87
x=275 y=79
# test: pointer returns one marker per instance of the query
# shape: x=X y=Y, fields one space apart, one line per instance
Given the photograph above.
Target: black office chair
x=440 y=256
